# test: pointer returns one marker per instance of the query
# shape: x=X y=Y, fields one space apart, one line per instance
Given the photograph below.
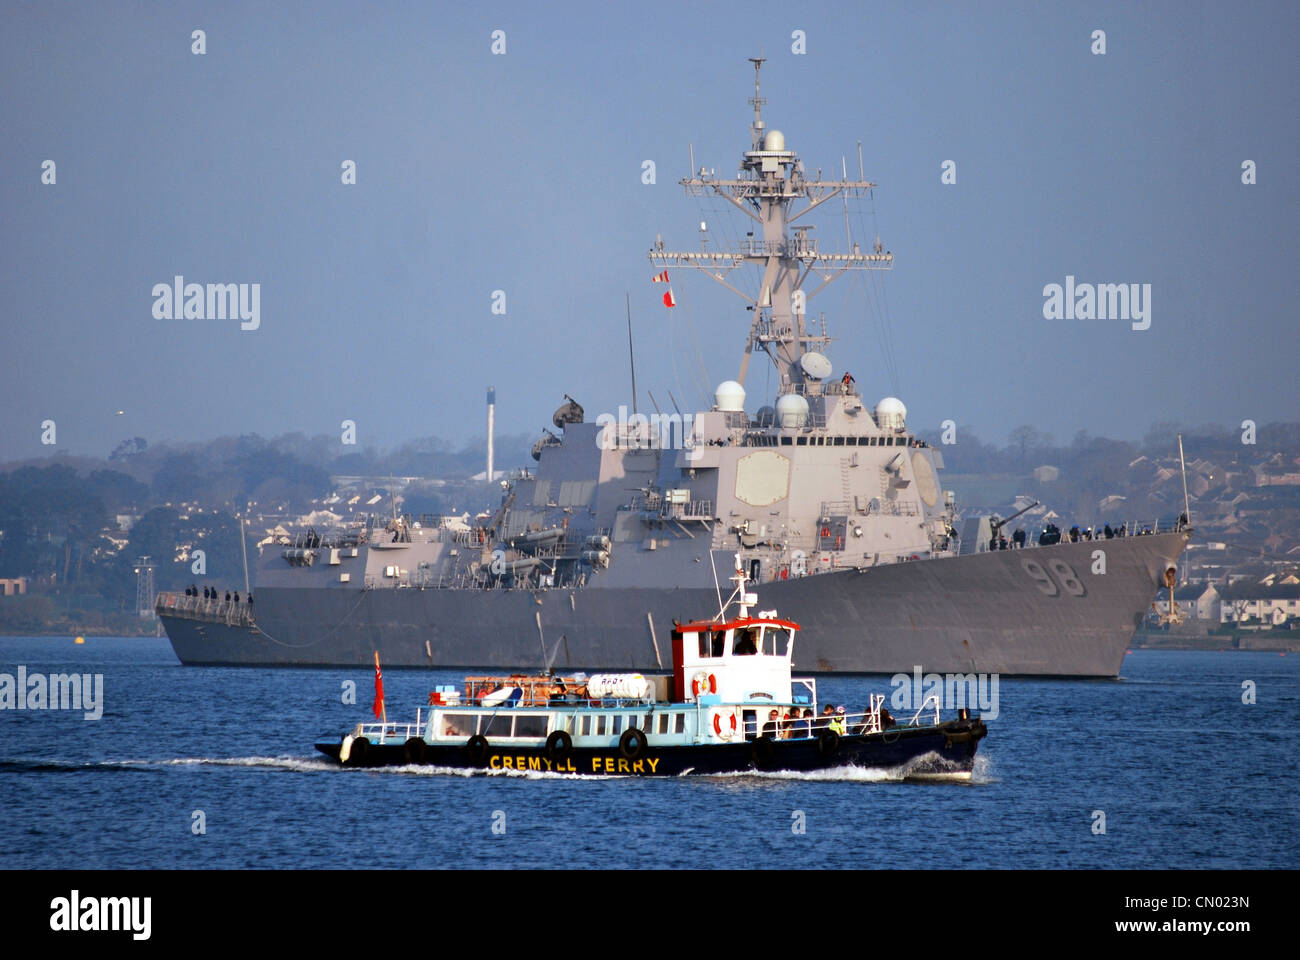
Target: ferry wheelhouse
x=731 y=704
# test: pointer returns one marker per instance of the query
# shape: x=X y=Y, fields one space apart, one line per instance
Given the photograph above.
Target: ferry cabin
x=727 y=678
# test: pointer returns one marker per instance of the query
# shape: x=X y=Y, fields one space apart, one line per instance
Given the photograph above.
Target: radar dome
x=775 y=140
x=730 y=396
x=792 y=410
x=891 y=414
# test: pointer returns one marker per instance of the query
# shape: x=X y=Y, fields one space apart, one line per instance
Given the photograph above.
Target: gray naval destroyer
x=627 y=524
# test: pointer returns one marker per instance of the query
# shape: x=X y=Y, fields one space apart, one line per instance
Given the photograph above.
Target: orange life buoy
x=703 y=682
x=826 y=532
x=718 y=726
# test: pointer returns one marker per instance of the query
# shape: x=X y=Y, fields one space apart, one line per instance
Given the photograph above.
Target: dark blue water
x=1185 y=773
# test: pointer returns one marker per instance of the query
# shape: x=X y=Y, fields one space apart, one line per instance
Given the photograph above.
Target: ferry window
x=663 y=723
x=616 y=725
x=719 y=638
x=780 y=640
x=586 y=726
x=600 y=726
x=649 y=723
x=801 y=441
x=530 y=726
x=745 y=644
x=457 y=725
x=498 y=726
x=704 y=643
x=680 y=725
x=839 y=441
x=632 y=722
x=786 y=441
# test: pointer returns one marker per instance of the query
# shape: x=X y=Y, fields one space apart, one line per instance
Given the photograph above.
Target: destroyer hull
x=1047 y=611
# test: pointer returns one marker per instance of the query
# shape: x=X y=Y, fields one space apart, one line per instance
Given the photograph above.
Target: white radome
x=730 y=396
x=891 y=414
x=775 y=140
x=792 y=410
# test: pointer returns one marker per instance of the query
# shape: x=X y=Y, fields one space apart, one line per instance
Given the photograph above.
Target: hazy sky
x=522 y=172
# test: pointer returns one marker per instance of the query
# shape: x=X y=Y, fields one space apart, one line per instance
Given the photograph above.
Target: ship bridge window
x=839 y=441
x=787 y=441
x=711 y=643
x=530 y=725
x=801 y=441
x=746 y=644
x=776 y=641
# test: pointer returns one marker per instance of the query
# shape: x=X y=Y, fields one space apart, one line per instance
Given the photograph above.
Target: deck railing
x=171 y=604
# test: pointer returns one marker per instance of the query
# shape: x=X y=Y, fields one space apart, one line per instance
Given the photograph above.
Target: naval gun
x=995 y=525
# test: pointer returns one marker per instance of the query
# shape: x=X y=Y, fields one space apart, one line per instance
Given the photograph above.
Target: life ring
x=477 y=748
x=413 y=750
x=762 y=751
x=632 y=744
x=357 y=755
x=828 y=742
x=558 y=745
x=719 y=726
x=704 y=682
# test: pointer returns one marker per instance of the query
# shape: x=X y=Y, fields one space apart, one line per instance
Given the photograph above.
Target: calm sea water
x=1185 y=773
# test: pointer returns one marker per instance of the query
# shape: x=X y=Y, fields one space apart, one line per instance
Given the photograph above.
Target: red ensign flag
x=669 y=299
x=379 y=690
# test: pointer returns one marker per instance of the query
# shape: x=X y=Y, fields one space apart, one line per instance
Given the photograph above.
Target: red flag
x=669 y=300
x=379 y=710
x=660 y=277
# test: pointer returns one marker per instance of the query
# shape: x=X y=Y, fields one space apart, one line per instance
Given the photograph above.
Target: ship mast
x=770 y=184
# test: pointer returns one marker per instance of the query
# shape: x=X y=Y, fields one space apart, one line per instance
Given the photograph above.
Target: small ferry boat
x=730 y=705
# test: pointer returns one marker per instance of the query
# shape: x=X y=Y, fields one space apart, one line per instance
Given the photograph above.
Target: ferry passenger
x=770 y=728
x=837 y=723
x=227 y=596
x=791 y=719
x=803 y=726
x=886 y=718
x=236 y=596
x=822 y=722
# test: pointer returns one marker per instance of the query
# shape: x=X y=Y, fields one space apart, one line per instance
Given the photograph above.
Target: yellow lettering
x=495 y=762
x=521 y=763
x=595 y=764
x=622 y=765
x=571 y=767
x=508 y=763
x=535 y=763
x=638 y=766
x=548 y=763
x=653 y=761
x=609 y=765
